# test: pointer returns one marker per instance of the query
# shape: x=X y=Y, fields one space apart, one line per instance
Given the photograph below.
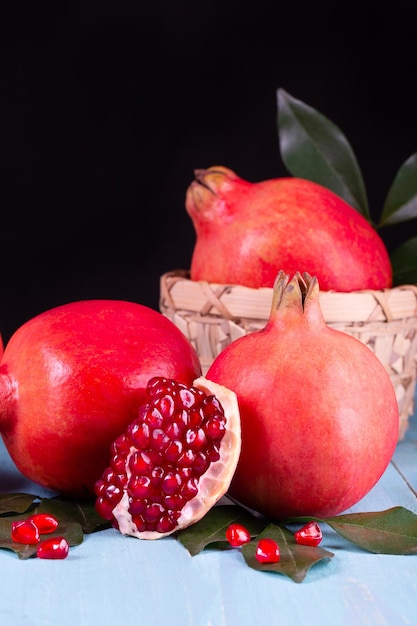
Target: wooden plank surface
x=111 y=579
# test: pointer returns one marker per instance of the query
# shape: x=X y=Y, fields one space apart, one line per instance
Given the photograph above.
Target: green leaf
x=16 y=502
x=401 y=202
x=404 y=263
x=212 y=527
x=295 y=560
x=393 y=531
x=72 y=532
x=314 y=148
x=71 y=510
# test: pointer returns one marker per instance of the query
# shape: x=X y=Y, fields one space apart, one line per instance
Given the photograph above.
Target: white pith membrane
x=212 y=485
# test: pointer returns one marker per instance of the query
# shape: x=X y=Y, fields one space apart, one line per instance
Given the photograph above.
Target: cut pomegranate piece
x=309 y=535
x=25 y=531
x=53 y=548
x=267 y=551
x=237 y=535
x=175 y=460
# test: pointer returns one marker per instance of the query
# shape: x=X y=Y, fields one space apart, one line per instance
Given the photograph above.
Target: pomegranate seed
x=237 y=535
x=164 y=453
x=267 y=551
x=309 y=535
x=104 y=507
x=25 y=531
x=53 y=548
x=140 y=434
x=44 y=522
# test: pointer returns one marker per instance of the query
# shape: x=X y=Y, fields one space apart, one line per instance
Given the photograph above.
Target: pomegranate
x=318 y=410
x=246 y=232
x=175 y=460
x=72 y=379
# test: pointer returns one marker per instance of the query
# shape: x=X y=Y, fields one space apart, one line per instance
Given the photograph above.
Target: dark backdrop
x=107 y=107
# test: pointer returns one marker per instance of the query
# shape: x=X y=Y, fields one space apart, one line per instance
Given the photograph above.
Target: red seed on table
x=309 y=535
x=45 y=522
x=237 y=535
x=25 y=531
x=267 y=551
x=53 y=548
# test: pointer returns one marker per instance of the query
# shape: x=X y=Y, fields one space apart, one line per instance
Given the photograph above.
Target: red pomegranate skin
x=318 y=411
x=246 y=232
x=71 y=380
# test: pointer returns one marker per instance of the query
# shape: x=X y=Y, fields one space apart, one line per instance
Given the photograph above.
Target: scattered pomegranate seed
x=158 y=462
x=267 y=551
x=44 y=522
x=25 y=531
x=309 y=535
x=53 y=548
x=237 y=535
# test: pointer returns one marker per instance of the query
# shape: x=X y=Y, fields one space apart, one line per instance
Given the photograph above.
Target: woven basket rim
x=179 y=292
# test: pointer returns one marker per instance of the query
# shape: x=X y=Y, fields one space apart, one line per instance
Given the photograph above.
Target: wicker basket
x=213 y=315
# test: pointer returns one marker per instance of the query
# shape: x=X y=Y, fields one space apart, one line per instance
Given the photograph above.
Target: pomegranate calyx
x=296 y=298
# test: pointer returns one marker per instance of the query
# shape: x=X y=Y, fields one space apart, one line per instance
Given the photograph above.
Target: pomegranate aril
x=190 y=489
x=267 y=551
x=186 y=459
x=159 y=440
x=139 y=434
x=25 y=531
x=166 y=406
x=174 y=502
x=139 y=487
x=309 y=535
x=213 y=453
x=53 y=548
x=237 y=535
x=171 y=483
x=136 y=506
x=195 y=439
x=200 y=464
x=173 y=451
x=104 y=508
x=140 y=463
x=215 y=428
x=153 y=512
x=113 y=494
x=45 y=522
x=121 y=445
x=166 y=524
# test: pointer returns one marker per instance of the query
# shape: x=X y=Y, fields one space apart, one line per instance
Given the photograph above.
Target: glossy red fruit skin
x=246 y=232
x=309 y=535
x=71 y=380
x=318 y=411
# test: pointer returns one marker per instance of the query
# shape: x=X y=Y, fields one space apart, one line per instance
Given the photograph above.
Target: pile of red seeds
x=156 y=465
x=29 y=531
x=267 y=550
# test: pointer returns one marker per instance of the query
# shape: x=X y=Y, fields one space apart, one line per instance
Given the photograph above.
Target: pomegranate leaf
x=72 y=531
x=393 y=531
x=295 y=559
x=314 y=148
x=73 y=511
x=404 y=263
x=212 y=527
x=401 y=202
x=16 y=502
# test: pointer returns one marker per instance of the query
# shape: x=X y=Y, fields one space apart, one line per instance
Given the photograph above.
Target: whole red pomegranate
x=246 y=232
x=318 y=411
x=72 y=379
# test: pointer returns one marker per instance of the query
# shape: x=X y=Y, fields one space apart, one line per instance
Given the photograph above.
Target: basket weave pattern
x=213 y=315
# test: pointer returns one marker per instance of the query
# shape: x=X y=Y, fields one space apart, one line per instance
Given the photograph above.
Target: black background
x=107 y=108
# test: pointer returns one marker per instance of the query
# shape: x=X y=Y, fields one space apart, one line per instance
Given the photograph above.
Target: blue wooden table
x=110 y=579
